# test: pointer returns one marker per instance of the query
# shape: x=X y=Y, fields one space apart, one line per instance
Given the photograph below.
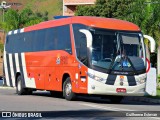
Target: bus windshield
x=117 y=51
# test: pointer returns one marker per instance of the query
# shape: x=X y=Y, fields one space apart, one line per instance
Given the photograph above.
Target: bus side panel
x=50 y=78
x=78 y=77
x=38 y=75
x=35 y=70
x=11 y=67
x=7 y=73
x=71 y=70
x=79 y=72
x=81 y=82
x=64 y=64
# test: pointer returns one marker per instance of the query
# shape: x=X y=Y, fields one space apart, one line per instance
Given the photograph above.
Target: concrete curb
x=143 y=99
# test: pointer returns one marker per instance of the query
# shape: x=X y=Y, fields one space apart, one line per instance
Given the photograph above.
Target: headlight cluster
x=96 y=77
x=141 y=79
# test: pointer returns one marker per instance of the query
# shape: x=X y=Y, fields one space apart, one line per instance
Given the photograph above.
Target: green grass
x=158 y=93
x=53 y=7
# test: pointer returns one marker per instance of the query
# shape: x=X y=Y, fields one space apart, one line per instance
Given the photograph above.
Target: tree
x=11 y=20
x=20 y=19
x=153 y=25
x=146 y=16
x=111 y=9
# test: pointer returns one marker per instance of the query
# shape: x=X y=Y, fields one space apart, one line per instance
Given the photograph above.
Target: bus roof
x=99 y=22
x=108 y=23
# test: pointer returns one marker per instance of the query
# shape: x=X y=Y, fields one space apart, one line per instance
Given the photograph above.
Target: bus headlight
x=141 y=79
x=96 y=77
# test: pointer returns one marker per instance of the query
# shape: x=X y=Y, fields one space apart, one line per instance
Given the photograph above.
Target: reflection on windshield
x=103 y=49
x=118 y=52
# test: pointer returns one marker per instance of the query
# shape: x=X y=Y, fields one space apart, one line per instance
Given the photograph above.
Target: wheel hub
x=68 y=89
x=19 y=86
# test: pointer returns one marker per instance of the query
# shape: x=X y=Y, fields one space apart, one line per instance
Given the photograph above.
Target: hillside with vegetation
x=53 y=7
x=28 y=13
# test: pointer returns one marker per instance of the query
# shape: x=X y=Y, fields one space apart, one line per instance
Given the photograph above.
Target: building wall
x=69 y=6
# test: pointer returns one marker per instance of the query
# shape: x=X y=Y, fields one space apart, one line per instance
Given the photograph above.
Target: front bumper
x=98 y=88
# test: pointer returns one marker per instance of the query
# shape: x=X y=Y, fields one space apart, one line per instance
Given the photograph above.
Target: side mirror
x=89 y=40
x=152 y=41
x=88 y=36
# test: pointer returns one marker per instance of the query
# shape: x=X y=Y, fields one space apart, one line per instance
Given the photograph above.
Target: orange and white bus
x=77 y=55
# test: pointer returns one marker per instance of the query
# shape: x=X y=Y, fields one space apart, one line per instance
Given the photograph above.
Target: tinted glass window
x=28 y=41
x=49 y=39
x=80 y=42
x=38 y=40
x=62 y=39
x=57 y=38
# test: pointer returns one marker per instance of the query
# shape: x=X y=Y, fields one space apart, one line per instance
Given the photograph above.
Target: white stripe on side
x=15 y=32
x=22 y=30
x=10 y=32
x=17 y=62
x=11 y=69
x=6 y=69
x=29 y=82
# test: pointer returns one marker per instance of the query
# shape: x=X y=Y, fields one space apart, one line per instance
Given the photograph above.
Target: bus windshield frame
x=117 y=52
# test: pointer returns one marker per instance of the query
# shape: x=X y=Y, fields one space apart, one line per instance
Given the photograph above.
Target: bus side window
x=38 y=41
x=83 y=49
x=63 y=38
x=49 y=39
x=80 y=43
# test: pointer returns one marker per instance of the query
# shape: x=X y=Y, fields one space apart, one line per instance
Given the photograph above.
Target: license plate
x=121 y=90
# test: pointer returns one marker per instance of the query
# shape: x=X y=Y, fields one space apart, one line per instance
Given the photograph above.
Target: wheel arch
x=65 y=76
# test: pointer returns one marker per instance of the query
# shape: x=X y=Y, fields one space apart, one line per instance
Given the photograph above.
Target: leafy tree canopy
x=144 y=13
x=15 y=19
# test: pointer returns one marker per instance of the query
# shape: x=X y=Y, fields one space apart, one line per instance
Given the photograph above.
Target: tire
x=20 y=90
x=116 y=99
x=67 y=90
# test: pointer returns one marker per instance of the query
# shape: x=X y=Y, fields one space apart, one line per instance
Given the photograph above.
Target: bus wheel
x=116 y=99
x=67 y=90
x=19 y=87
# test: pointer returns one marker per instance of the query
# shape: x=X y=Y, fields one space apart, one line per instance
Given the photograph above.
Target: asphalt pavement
x=83 y=108
x=141 y=99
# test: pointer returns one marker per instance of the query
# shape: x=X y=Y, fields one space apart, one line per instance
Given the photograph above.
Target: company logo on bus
x=58 y=61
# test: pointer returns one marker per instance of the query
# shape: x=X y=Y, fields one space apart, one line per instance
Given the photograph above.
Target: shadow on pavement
x=93 y=99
